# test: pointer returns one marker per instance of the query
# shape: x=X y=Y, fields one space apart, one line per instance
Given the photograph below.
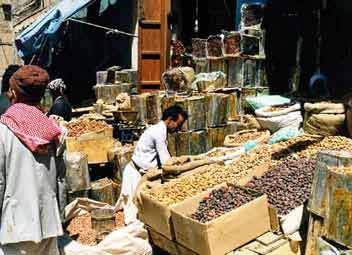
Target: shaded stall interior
x=83 y=50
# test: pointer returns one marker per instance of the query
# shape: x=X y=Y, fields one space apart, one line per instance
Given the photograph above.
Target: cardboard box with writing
x=222 y=234
x=95 y=144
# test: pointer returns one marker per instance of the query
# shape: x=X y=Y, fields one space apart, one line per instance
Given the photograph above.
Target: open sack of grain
x=122 y=240
x=277 y=117
x=324 y=118
x=240 y=138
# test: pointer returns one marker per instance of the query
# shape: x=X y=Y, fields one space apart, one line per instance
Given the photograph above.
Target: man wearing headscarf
x=30 y=219
x=61 y=106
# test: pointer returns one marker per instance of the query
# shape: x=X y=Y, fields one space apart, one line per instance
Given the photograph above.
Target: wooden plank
x=149 y=40
x=315 y=230
x=150 y=52
x=150 y=69
x=152 y=9
x=154 y=34
x=150 y=22
x=150 y=82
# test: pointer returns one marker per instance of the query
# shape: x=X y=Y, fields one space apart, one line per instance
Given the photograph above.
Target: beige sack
x=324 y=124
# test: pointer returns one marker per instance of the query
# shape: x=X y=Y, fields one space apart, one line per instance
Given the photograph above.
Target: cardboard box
x=157 y=216
x=167 y=245
x=96 y=145
x=224 y=233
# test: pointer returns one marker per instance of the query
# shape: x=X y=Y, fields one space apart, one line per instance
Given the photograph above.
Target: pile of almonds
x=245 y=137
x=309 y=146
x=79 y=127
x=82 y=226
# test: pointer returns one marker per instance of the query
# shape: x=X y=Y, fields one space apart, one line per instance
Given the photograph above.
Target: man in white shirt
x=151 y=150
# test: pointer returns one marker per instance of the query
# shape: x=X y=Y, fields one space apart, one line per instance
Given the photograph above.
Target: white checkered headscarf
x=57 y=85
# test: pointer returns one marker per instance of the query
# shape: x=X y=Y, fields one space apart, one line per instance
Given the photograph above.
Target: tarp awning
x=33 y=38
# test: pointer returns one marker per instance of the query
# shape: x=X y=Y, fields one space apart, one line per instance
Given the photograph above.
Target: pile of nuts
x=83 y=126
x=287 y=184
x=221 y=201
x=245 y=137
x=210 y=176
x=232 y=44
x=309 y=146
x=199 y=47
x=82 y=226
x=177 y=47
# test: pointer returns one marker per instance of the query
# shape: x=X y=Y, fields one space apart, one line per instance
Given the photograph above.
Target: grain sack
x=248 y=122
x=182 y=164
x=292 y=120
x=77 y=174
x=278 y=110
x=324 y=119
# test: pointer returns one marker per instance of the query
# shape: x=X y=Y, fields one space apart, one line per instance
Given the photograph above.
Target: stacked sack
x=324 y=119
x=275 y=119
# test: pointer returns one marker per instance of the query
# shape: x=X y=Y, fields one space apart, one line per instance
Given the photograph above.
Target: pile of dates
x=287 y=184
x=221 y=201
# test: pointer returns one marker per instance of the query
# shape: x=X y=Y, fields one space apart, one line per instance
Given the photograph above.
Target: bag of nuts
x=324 y=119
x=240 y=138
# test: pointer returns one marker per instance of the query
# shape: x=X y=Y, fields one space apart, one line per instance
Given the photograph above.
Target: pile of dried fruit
x=214 y=46
x=309 y=146
x=82 y=226
x=199 y=48
x=212 y=175
x=232 y=44
x=177 y=47
x=83 y=126
x=287 y=184
x=221 y=201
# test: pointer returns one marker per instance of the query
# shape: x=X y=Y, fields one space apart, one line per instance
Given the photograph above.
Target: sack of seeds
x=324 y=119
x=240 y=138
x=290 y=120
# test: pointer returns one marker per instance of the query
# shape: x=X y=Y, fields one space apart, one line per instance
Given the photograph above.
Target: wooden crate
x=269 y=244
x=96 y=145
x=167 y=245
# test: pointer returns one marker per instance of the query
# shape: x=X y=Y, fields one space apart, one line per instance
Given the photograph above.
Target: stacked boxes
x=111 y=83
x=206 y=126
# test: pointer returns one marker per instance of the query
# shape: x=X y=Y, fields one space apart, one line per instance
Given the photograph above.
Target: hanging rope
x=111 y=30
